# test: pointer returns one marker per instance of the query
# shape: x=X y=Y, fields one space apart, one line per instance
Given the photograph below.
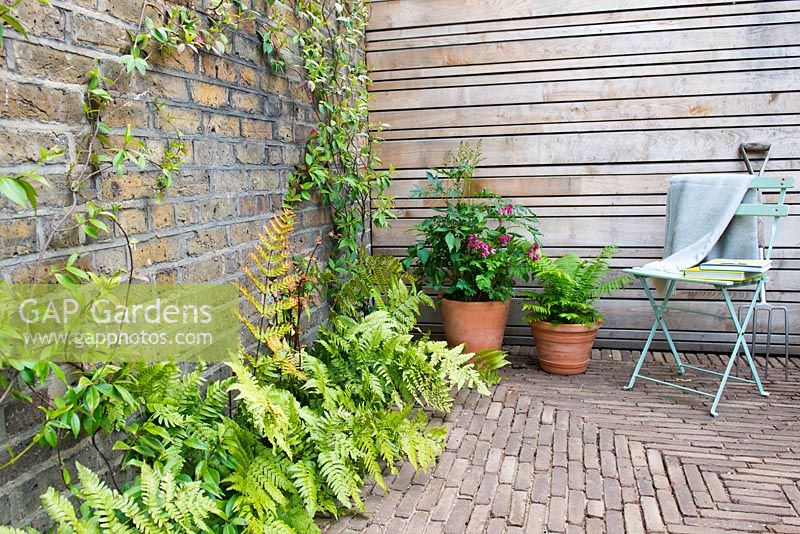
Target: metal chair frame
x=776 y=211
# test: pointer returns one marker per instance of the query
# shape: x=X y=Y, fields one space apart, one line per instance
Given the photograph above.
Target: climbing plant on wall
x=340 y=164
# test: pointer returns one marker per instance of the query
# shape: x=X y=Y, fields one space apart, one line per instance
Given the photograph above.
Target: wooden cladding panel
x=584 y=111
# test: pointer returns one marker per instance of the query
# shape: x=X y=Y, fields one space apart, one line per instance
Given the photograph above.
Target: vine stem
x=105 y=460
x=10 y=387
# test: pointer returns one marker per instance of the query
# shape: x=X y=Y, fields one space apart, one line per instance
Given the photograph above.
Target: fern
x=307 y=427
x=61 y=512
x=279 y=286
x=570 y=286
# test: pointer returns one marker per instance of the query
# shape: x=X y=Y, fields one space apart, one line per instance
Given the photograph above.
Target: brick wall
x=245 y=127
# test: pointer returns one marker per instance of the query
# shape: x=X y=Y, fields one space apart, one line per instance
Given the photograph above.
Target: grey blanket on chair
x=701 y=223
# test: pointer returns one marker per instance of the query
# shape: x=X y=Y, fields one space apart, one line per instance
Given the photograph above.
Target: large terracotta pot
x=564 y=349
x=478 y=324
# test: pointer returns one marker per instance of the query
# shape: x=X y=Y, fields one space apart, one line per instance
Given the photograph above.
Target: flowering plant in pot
x=563 y=319
x=471 y=251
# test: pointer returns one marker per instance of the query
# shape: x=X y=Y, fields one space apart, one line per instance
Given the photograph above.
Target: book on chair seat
x=697 y=273
x=745 y=266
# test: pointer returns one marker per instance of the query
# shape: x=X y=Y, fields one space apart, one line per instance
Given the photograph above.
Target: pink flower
x=506 y=210
x=533 y=252
x=475 y=244
x=504 y=239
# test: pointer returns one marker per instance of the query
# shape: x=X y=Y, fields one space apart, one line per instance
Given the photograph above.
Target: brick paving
x=578 y=454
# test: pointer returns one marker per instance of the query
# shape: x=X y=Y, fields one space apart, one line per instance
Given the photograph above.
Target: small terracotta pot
x=564 y=349
x=480 y=325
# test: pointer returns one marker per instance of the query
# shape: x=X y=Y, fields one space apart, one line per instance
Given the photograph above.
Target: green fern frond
x=570 y=286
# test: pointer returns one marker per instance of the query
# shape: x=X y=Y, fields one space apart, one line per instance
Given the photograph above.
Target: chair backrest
x=779 y=184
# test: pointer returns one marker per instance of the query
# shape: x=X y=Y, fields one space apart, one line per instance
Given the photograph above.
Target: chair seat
x=651 y=273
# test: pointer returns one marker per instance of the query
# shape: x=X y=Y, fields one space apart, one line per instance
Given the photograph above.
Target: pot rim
x=567 y=327
x=473 y=302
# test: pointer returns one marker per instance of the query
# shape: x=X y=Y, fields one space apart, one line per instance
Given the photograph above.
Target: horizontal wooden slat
x=595 y=147
x=411 y=13
x=616 y=110
x=603 y=45
x=585 y=65
x=579 y=72
x=734 y=122
x=523 y=33
x=636 y=231
x=588 y=90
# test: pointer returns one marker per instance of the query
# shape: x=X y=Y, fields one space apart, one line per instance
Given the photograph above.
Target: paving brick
x=418 y=522
x=541 y=488
x=612 y=494
x=519 y=505
x=408 y=503
x=595 y=508
x=652 y=515
x=594 y=484
x=508 y=471
x=501 y=502
x=614 y=521
x=486 y=490
x=457 y=472
x=494 y=460
x=445 y=503
x=472 y=481
x=478 y=520
x=576 y=509
x=524 y=476
x=558 y=485
x=458 y=517
x=430 y=495
x=557 y=514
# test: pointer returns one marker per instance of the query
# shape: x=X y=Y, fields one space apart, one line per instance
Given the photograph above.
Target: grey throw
x=701 y=223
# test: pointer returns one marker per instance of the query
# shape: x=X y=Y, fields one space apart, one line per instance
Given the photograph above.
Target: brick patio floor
x=578 y=454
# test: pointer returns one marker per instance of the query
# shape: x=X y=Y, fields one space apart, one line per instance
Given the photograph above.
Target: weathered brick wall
x=245 y=127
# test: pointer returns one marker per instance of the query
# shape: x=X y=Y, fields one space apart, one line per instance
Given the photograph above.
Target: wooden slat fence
x=585 y=110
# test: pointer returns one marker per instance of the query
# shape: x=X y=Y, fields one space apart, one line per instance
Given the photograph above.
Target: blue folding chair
x=776 y=211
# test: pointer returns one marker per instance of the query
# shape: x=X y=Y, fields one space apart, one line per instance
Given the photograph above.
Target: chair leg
x=658 y=310
x=741 y=342
x=785 y=342
x=722 y=382
x=769 y=342
x=642 y=356
x=663 y=323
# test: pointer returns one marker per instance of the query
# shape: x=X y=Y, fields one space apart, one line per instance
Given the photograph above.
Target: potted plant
x=471 y=251
x=562 y=316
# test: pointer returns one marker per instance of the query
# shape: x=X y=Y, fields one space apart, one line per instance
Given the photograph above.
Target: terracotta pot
x=478 y=324
x=564 y=349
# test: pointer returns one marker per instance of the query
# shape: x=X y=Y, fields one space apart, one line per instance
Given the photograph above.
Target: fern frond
x=61 y=512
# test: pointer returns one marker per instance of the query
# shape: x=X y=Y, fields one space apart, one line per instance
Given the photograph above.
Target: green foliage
x=19 y=188
x=181 y=28
x=370 y=281
x=340 y=164
x=476 y=246
x=8 y=17
x=280 y=287
x=157 y=502
x=290 y=434
x=105 y=153
x=487 y=362
x=570 y=286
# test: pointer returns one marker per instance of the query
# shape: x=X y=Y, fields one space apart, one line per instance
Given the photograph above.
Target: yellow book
x=729 y=276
